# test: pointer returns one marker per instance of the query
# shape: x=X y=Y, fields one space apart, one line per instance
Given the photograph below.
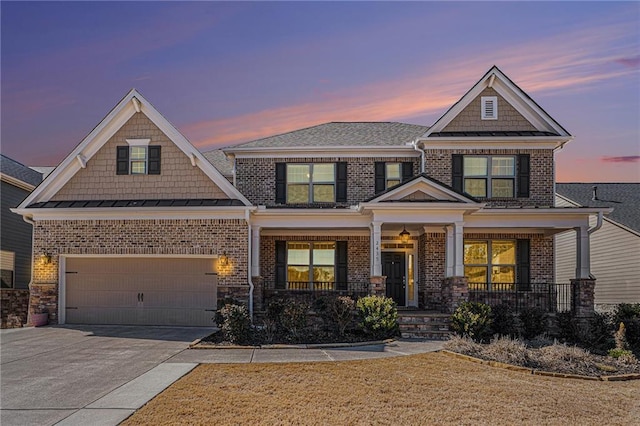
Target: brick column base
x=258 y=296
x=378 y=285
x=15 y=307
x=583 y=297
x=455 y=290
x=43 y=299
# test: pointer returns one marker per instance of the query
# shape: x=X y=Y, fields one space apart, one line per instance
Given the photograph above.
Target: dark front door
x=393 y=267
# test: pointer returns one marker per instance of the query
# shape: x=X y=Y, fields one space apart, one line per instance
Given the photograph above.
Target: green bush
x=504 y=321
x=234 y=323
x=378 y=316
x=534 y=322
x=473 y=320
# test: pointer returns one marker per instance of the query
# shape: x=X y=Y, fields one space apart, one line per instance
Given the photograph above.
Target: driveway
x=55 y=374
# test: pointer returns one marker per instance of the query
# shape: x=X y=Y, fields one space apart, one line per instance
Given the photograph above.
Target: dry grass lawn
x=414 y=390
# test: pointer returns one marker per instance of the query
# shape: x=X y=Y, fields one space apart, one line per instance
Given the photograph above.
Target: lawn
x=421 y=389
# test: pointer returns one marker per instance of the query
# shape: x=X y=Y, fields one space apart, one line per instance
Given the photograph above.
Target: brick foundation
x=583 y=297
x=455 y=290
x=14 y=307
x=378 y=286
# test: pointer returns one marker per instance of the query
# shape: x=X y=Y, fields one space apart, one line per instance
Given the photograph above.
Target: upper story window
x=138 y=158
x=489 y=107
x=311 y=183
x=489 y=176
x=308 y=183
x=388 y=175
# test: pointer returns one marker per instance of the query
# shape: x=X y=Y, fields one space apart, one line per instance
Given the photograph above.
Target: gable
x=178 y=177
x=470 y=118
x=423 y=189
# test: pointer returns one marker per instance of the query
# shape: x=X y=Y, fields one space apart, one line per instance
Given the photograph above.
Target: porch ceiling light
x=404 y=235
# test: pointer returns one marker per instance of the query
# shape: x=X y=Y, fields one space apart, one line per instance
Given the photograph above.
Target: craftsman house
x=136 y=226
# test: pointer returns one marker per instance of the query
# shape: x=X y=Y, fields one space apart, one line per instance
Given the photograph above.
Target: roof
x=19 y=171
x=219 y=160
x=623 y=197
x=492 y=133
x=342 y=134
x=45 y=170
x=136 y=203
x=429 y=179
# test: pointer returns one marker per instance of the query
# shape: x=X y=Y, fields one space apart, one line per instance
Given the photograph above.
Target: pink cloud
x=621 y=159
x=633 y=62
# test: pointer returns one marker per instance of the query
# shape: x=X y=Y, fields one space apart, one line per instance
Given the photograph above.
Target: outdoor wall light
x=223 y=259
x=46 y=259
x=404 y=235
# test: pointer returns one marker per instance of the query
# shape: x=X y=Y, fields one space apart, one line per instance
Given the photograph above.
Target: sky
x=229 y=72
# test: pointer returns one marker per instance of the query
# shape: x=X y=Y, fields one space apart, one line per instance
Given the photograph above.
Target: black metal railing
x=310 y=291
x=551 y=297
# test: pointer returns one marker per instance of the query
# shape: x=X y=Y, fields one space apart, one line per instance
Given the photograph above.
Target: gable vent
x=489 y=107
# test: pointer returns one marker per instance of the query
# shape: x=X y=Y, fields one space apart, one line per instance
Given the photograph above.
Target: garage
x=140 y=290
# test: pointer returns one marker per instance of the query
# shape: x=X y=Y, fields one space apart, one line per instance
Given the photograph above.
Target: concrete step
x=424 y=325
x=432 y=335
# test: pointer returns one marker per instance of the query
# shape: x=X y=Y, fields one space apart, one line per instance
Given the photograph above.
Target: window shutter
x=341 y=265
x=341 y=182
x=457 y=172
x=281 y=183
x=122 y=160
x=380 y=176
x=523 y=277
x=523 y=175
x=281 y=265
x=407 y=171
x=154 y=159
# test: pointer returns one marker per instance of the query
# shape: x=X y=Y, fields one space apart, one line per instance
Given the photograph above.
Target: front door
x=393 y=266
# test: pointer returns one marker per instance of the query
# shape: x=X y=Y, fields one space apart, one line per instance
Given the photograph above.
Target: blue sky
x=226 y=72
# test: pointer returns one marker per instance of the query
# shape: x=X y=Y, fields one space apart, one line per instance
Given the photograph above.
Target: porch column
x=583 y=262
x=458 y=265
x=255 y=251
x=449 y=251
x=376 y=253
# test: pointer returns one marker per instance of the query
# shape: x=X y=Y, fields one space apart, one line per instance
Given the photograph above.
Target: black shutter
x=523 y=268
x=407 y=171
x=154 y=159
x=122 y=160
x=457 y=172
x=281 y=183
x=341 y=182
x=281 y=264
x=524 y=171
x=341 y=265
x=380 y=176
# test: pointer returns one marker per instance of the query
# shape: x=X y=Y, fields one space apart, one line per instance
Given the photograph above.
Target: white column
x=449 y=251
x=458 y=264
x=255 y=251
x=583 y=261
x=376 y=252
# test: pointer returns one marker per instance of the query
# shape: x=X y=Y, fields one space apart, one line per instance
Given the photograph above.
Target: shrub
x=533 y=322
x=629 y=314
x=472 y=319
x=620 y=338
x=339 y=312
x=504 y=322
x=378 y=316
x=293 y=318
x=234 y=323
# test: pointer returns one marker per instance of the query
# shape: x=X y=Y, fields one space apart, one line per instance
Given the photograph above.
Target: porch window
x=311 y=265
x=489 y=176
x=490 y=264
x=311 y=183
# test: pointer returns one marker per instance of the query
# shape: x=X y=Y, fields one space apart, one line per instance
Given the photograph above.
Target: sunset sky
x=225 y=72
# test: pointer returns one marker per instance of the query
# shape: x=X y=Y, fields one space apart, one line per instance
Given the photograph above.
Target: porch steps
x=424 y=325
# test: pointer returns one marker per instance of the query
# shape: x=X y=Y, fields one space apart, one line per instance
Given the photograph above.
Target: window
x=393 y=175
x=311 y=265
x=138 y=158
x=489 y=176
x=388 y=175
x=490 y=264
x=7 y=268
x=311 y=183
x=489 y=107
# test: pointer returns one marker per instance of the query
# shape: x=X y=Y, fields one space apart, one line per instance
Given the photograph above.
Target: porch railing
x=310 y=291
x=551 y=297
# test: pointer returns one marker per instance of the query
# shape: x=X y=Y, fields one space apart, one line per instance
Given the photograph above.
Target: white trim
x=420 y=184
x=136 y=104
x=323 y=152
x=134 y=213
x=497 y=142
x=192 y=157
x=82 y=161
x=138 y=142
x=284 y=232
x=16 y=182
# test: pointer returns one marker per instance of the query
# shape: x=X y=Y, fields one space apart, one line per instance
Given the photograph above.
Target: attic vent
x=489 y=107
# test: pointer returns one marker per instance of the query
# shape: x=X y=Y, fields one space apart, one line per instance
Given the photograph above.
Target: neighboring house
x=17 y=182
x=615 y=248
x=136 y=226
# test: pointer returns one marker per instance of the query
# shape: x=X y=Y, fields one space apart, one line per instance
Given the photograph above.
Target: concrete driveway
x=66 y=373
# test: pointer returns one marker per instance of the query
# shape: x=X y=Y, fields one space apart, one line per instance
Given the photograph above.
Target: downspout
x=415 y=147
x=249 y=278
x=598 y=224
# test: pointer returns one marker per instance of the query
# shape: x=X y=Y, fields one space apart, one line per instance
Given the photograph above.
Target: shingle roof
x=219 y=161
x=493 y=133
x=19 y=171
x=342 y=134
x=623 y=197
x=45 y=170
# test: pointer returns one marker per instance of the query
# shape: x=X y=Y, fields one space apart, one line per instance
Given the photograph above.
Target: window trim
x=489 y=177
x=311 y=183
x=489 y=265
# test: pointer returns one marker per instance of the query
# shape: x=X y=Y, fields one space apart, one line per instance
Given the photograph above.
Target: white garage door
x=141 y=291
